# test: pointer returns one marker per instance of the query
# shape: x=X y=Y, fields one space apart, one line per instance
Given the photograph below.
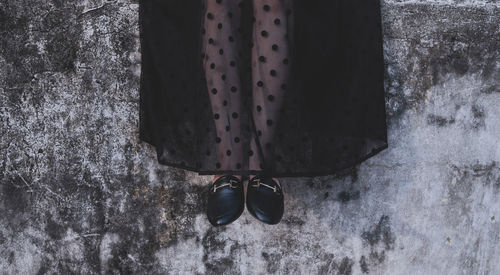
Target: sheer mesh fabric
x=270 y=61
x=288 y=88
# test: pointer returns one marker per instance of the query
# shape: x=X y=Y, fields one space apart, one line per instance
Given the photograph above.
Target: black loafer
x=265 y=199
x=226 y=200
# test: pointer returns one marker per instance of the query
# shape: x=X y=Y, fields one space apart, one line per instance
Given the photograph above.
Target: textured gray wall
x=80 y=194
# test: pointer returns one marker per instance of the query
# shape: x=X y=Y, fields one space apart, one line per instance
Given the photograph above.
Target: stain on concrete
x=62 y=48
x=182 y=204
x=439 y=120
x=345 y=267
x=216 y=258
x=54 y=229
x=293 y=221
x=380 y=233
x=273 y=262
x=326 y=263
x=490 y=89
x=346 y=196
x=363 y=264
x=478 y=117
x=379 y=238
x=434 y=55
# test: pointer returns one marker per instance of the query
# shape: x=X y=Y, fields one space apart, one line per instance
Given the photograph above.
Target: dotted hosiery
x=220 y=62
x=270 y=72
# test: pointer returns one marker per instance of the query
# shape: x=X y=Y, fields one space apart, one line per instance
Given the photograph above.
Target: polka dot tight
x=220 y=63
x=270 y=73
x=270 y=70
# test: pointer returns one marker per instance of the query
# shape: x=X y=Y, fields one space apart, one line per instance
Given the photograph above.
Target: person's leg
x=270 y=70
x=222 y=18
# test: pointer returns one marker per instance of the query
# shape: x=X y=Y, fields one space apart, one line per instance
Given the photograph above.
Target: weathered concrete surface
x=80 y=194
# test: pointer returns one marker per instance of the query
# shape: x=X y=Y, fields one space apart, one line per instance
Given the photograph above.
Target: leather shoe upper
x=226 y=200
x=265 y=199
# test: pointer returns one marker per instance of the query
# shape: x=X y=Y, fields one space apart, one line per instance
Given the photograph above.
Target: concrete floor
x=80 y=194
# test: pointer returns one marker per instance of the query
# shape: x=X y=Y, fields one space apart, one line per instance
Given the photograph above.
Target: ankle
x=218 y=176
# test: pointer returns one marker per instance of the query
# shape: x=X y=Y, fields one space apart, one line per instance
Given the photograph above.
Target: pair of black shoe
x=226 y=200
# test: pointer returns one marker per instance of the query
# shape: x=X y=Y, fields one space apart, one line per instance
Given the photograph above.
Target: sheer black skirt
x=331 y=111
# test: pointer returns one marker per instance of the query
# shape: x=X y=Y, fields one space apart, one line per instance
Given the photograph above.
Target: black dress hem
x=319 y=173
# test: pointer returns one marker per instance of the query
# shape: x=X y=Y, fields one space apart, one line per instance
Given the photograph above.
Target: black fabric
x=333 y=113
